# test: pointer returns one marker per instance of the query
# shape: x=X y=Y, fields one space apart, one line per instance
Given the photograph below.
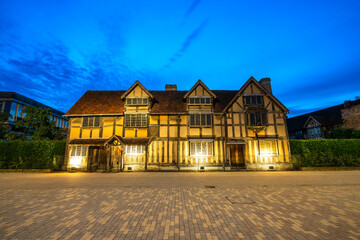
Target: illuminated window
x=268 y=147
x=137 y=101
x=78 y=151
x=135 y=149
x=201 y=148
x=257 y=118
x=200 y=100
x=201 y=119
x=135 y=120
x=254 y=100
x=91 y=121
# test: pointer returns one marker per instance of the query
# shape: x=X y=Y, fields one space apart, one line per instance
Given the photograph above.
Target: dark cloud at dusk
x=54 y=51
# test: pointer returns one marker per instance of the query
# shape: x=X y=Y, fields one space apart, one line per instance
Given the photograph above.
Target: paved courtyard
x=164 y=205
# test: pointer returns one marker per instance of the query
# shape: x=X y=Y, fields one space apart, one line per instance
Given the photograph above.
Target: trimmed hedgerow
x=326 y=153
x=30 y=154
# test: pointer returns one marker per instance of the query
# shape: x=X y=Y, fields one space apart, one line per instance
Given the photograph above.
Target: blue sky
x=53 y=51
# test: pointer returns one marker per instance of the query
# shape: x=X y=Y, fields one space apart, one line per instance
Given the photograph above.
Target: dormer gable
x=137 y=90
x=252 y=88
x=199 y=90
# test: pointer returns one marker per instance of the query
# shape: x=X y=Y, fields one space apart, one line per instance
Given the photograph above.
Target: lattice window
x=201 y=119
x=91 y=121
x=135 y=120
x=201 y=148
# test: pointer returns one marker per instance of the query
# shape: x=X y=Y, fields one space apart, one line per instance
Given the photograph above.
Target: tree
x=3 y=128
x=37 y=125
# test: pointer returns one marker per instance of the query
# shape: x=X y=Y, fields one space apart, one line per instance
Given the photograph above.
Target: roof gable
x=136 y=83
x=199 y=82
x=262 y=88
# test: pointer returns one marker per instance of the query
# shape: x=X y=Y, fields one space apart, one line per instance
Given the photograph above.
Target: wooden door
x=237 y=155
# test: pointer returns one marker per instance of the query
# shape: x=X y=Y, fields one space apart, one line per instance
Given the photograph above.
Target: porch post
x=146 y=156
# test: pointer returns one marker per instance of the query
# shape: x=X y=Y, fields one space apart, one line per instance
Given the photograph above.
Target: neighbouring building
x=199 y=129
x=322 y=122
x=14 y=104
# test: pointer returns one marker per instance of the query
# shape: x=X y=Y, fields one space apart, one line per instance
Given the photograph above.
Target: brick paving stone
x=158 y=205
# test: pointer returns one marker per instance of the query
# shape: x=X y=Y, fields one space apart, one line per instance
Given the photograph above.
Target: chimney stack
x=170 y=87
x=265 y=82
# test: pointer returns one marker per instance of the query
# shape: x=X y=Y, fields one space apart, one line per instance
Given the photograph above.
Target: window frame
x=273 y=146
x=78 y=148
x=131 y=120
x=93 y=121
x=197 y=100
x=195 y=118
x=129 y=101
x=134 y=149
x=256 y=115
x=252 y=97
x=195 y=144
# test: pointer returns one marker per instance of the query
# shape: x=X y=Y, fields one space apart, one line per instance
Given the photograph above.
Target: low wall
x=269 y=167
x=330 y=169
x=25 y=170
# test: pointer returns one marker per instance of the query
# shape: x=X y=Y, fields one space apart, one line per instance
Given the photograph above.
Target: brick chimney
x=170 y=87
x=265 y=82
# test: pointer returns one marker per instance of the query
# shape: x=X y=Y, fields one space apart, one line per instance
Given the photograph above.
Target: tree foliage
x=30 y=154
x=37 y=125
x=3 y=128
x=343 y=134
x=326 y=153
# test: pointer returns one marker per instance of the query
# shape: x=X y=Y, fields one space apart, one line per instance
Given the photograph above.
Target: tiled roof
x=109 y=102
x=327 y=116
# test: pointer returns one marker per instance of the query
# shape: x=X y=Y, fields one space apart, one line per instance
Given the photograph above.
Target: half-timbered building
x=199 y=129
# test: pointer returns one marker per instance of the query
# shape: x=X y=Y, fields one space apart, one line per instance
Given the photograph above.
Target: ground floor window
x=268 y=147
x=78 y=151
x=135 y=149
x=201 y=148
x=314 y=132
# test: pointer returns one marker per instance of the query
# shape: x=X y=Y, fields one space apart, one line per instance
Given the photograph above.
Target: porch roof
x=88 y=141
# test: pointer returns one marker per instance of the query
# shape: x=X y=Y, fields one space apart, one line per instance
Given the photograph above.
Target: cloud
x=193 y=6
x=186 y=44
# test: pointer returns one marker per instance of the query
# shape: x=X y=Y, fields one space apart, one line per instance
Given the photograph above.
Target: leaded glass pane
x=73 y=151
x=78 y=151
x=97 y=121
x=84 y=148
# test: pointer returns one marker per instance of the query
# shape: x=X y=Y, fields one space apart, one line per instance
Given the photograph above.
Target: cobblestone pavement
x=217 y=205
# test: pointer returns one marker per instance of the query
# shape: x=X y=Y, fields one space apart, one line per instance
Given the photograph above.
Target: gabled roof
x=199 y=82
x=327 y=116
x=253 y=80
x=136 y=83
x=310 y=118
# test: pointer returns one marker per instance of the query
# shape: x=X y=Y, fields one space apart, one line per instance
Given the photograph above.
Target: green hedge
x=325 y=153
x=30 y=154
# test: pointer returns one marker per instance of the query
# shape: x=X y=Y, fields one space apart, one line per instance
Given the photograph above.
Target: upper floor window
x=135 y=120
x=201 y=148
x=257 y=118
x=91 y=121
x=201 y=119
x=137 y=101
x=254 y=100
x=200 y=100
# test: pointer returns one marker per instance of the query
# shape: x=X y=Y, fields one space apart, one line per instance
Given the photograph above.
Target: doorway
x=237 y=158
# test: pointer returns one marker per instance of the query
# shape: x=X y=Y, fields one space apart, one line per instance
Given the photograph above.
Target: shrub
x=325 y=153
x=30 y=154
